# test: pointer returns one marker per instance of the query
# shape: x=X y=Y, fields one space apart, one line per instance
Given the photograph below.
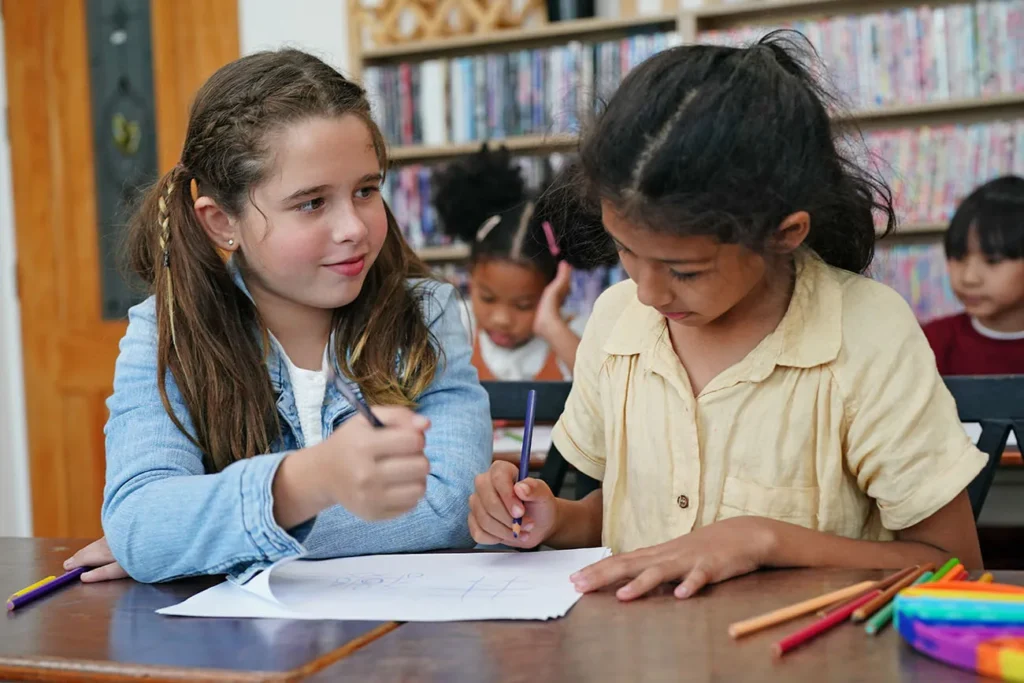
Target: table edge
x=67 y=669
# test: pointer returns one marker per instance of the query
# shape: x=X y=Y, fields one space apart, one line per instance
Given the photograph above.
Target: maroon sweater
x=961 y=350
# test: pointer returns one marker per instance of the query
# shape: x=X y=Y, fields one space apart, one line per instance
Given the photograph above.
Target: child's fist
x=499 y=499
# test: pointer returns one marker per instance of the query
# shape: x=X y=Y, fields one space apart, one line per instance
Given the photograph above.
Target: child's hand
x=377 y=473
x=708 y=555
x=498 y=499
x=98 y=556
x=549 y=308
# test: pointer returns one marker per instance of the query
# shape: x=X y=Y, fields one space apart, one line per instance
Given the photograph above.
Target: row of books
x=914 y=55
x=918 y=272
x=409 y=191
x=496 y=95
x=931 y=170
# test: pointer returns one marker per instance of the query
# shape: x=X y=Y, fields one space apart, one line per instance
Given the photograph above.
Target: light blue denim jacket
x=165 y=518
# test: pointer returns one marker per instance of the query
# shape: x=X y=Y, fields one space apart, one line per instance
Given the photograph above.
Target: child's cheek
x=290 y=254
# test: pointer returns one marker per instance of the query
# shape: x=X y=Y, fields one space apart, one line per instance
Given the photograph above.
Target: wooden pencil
x=821 y=625
x=763 y=621
x=880 y=585
x=878 y=603
x=951 y=573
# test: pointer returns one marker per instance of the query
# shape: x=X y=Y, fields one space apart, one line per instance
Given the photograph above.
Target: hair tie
x=550 y=235
x=486 y=228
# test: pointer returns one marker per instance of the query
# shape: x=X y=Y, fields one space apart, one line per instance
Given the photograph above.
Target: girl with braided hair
x=278 y=272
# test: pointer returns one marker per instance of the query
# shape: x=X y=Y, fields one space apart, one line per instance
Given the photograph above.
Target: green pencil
x=944 y=569
x=882 y=617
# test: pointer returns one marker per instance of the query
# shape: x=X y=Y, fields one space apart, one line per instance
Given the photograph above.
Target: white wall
x=15 y=505
x=316 y=26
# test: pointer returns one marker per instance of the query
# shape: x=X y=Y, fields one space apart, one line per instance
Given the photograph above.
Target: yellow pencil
x=986 y=578
x=34 y=586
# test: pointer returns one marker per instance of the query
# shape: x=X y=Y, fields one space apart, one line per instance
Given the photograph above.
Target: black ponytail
x=483 y=201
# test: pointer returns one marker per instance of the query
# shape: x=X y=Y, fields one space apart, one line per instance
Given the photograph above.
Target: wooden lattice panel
x=393 y=22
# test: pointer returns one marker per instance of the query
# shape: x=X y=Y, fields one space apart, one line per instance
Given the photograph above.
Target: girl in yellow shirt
x=748 y=399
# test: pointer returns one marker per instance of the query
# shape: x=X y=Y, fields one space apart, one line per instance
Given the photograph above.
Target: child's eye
x=310 y=206
x=487 y=299
x=525 y=307
x=993 y=260
x=366 y=192
x=684 y=276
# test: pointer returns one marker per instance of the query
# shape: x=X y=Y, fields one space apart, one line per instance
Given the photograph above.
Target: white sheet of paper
x=505 y=443
x=436 y=587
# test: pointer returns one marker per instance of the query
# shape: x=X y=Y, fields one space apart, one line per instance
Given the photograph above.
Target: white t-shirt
x=310 y=388
x=522 y=363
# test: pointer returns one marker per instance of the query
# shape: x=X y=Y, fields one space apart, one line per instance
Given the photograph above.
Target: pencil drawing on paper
x=476 y=588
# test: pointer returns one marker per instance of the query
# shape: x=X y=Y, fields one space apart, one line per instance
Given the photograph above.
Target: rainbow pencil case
x=976 y=630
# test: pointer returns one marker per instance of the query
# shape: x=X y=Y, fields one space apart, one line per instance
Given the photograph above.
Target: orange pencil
x=961 y=576
x=955 y=571
x=878 y=585
x=742 y=628
x=878 y=603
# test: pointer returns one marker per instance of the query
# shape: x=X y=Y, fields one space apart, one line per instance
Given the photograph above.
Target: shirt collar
x=809 y=335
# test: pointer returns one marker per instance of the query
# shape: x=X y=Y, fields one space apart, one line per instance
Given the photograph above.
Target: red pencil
x=961 y=576
x=821 y=625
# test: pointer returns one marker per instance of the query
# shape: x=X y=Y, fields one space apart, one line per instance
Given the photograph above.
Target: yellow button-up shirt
x=837 y=421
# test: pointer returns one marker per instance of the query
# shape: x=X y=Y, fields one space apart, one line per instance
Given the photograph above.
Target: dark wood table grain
x=657 y=638
x=110 y=631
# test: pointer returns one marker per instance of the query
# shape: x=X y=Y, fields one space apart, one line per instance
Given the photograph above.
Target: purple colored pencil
x=524 y=457
x=46 y=588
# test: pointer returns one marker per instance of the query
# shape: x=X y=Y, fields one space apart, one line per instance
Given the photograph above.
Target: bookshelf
x=521 y=144
x=556 y=33
x=915 y=232
x=972 y=109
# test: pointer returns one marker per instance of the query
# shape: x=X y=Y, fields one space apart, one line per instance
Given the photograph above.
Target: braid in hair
x=164 y=225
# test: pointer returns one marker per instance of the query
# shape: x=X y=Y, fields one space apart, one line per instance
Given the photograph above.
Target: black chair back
x=996 y=402
x=508 y=402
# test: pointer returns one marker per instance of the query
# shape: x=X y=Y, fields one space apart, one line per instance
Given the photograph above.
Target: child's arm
x=950 y=532
x=165 y=518
x=563 y=341
x=458 y=446
x=740 y=545
x=549 y=323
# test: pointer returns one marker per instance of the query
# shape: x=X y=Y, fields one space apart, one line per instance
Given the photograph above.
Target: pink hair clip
x=550 y=234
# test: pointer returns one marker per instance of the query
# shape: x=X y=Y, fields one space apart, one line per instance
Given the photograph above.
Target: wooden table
x=109 y=631
x=105 y=632
x=654 y=639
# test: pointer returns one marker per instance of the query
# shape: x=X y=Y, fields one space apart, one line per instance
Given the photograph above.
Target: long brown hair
x=210 y=335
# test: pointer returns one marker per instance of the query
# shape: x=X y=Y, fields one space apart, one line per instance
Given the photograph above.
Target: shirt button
x=683 y=502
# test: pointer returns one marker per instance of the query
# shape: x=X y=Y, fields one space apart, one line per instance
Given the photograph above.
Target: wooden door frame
x=66 y=348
